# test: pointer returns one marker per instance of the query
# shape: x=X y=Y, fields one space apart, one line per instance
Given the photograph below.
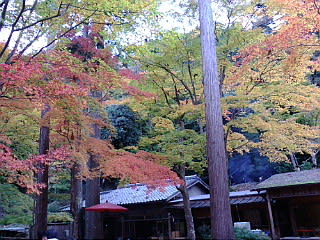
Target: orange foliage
x=285 y=55
x=142 y=167
x=72 y=86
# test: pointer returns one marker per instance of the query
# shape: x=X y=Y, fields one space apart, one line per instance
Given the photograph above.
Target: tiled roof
x=291 y=179
x=240 y=197
x=140 y=193
x=232 y=195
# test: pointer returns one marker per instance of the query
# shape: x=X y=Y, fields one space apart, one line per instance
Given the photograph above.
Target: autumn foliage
x=270 y=79
x=74 y=84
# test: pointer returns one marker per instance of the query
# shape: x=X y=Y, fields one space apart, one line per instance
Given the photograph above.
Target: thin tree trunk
x=314 y=159
x=187 y=212
x=41 y=208
x=180 y=170
x=200 y=126
x=76 y=202
x=221 y=220
x=294 y=162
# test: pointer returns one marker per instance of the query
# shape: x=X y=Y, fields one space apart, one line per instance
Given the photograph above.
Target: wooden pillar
x=122 y=220
x=169 y=226
x=293 y=220
x=273 y=232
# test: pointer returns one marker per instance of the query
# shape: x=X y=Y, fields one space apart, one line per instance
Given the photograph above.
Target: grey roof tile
x=140 y=193
x=291 y=179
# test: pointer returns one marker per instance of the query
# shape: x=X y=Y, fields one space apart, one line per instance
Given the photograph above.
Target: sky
x=178 y=22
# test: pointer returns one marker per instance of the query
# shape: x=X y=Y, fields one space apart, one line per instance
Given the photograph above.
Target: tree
x=127 y=129
x=16 y=207
x=52 y=20
x=184 y=153
x=28 y=21
x=221 y=221
x=171 y=62
x=273 y=81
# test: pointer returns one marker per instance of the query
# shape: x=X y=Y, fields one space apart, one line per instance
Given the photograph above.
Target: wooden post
x=122 y=227
x=273 y=232
x=292 y=220
x=169 y=227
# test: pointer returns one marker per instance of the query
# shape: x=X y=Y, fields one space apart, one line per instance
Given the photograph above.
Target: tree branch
x=4 y=12
x=12 y=28
x=62 y=35
x=39 y=34
x=8 y=60
x=43 y=19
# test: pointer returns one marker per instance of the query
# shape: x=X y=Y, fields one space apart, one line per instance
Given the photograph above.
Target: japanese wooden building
x=285 y=205
x=293 y=201
x=149 y=216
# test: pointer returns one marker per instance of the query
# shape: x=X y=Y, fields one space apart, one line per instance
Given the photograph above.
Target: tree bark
x=180 y=170
x=187 y=212
x=314 y=159
x=93 y=220
x=76 y=202
x=294 y=162
x=41 y=200
x=221 y=220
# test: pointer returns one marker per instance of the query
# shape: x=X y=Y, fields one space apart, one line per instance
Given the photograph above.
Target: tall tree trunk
x=76 y=202
x=221 y=220
x=93 y=220
x=41 y=200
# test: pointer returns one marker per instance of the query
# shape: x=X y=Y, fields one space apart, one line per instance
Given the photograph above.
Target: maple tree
x=273 y=83
x=65 y=90
x=172 y=63
x=28 y=21
x=183 y=151
x=67 y=121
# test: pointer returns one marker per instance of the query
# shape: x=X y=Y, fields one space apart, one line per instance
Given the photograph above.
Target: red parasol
x=106 y=207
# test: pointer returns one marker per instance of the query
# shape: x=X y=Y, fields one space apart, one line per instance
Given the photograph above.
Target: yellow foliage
x=162 y=125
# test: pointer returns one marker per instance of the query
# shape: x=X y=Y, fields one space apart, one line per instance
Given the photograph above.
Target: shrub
x=59 y=217
x=204 y=232
x=15 y=206
x=245 y=234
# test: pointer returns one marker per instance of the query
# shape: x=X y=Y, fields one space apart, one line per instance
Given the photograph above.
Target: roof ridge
x=145 y=184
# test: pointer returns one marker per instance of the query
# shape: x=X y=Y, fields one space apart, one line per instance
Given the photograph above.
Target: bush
x=204 y=232
x=244 y=234
x=15 y=206
x=59 y=217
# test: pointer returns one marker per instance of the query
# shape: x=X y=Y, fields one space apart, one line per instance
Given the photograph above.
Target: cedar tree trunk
x=221 y=220
x=76 y=202
x=41 y=200
x=93 y=220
